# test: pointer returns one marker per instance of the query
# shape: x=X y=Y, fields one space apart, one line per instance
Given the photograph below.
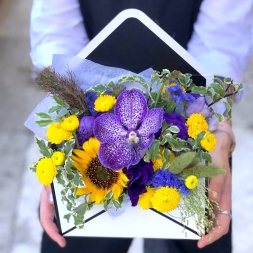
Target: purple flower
x=85 y=130
x=198 y=106
x=178 y=95
x=176 y=119
x=90 y=98
x=138 y=176
x=129 y=132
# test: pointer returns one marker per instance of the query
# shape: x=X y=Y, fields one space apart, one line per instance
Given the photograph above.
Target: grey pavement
x=20 y=231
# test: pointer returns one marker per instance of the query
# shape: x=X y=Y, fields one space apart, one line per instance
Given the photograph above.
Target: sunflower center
x=100 y=176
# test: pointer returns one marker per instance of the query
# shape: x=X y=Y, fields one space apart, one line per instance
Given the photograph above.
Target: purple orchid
x=85 y=130
x=127 y=133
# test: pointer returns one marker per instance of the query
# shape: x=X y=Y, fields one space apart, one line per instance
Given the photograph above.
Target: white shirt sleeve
x=56 y=28
x=222 y=40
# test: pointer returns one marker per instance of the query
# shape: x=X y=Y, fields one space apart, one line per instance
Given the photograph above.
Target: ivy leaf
x=202 y=91
x=68 y=165
x=44 y=150
x=67 y=217
x=33 y=167
x=78 y=180
x=81 y=209
x=147 y=157
x=68 y=147
x=218 y=89
x=106 y=204
x=100 y=88
x=174 y=129
x=130 y=79
x=59 y=178
x=109 y=195
x=154 y=149
x=181 y=162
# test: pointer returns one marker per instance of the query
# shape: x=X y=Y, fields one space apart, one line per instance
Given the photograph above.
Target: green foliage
x=43 y=148
x=44 y=123
x=181 y=162
x=130 y=79
x=202 y=171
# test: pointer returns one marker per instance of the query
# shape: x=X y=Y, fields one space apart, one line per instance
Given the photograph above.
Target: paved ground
x=19 y=230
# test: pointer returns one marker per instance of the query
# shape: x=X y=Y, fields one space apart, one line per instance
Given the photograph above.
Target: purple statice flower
x=127 y=133
x=90 y=98
x=85 y=130
x=176 y=119
x=138 y=176
x=199 y=105
x=178 y=95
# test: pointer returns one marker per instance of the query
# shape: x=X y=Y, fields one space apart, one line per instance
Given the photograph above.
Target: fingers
x=47 y=217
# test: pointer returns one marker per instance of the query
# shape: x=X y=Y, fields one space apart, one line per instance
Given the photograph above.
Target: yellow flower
x=58 y=158
x=144 y=200
x=104 y=103
x=71 y=123
x=191 y=182
x=46 y=171
x=56 y=134
x=169 y=85
x=157 y=163
x=165 y=199
x=208 y=142
x=196 y=123
x=98 y=179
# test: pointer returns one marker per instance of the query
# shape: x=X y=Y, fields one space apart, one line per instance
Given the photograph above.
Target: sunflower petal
x=95 y=144
x=93 y=196
x=89 y=150
x=82 y=154
x=100 y=196
x=117 y=190
x=82 y=191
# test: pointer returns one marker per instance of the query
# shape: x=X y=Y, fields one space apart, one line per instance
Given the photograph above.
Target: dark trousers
x=121 y=245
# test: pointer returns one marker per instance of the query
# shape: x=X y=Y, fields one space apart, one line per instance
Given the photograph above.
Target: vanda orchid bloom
x=127 y=133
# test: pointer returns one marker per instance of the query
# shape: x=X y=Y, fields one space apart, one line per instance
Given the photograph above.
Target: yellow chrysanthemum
x=165 y=199
x=104 y=103
x=46 y=171
x=144 y=200
x=56 y=134
x=98 y=179
x=157 y=163
x=58 y=158
x=196 y=123
x=208 y=142
x=191 y=182
x=70 y=123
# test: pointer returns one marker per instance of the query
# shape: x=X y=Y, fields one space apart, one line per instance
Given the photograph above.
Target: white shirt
x=222 y=40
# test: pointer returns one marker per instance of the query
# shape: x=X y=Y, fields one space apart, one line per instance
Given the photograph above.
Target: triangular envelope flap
x=133 y=41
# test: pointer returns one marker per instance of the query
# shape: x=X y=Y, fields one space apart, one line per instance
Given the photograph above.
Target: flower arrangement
x=149 y=143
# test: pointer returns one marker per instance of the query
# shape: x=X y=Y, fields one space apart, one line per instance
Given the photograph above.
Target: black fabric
x=86 y=245
x=176 y=17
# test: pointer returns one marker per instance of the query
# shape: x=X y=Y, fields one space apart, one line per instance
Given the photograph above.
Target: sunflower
x=98 y=179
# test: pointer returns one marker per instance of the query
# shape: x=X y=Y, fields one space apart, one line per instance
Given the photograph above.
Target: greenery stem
x=77 y=143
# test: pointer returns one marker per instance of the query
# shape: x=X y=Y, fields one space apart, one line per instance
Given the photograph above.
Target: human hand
x=220 y=190
x=47 y=213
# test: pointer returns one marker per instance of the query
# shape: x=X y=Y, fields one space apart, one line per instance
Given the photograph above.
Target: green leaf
x=166 y=155
x=201 y=90
x=67 y=216
x=44 y=123
x=147 y=157
x=138 y=79
x=111 y=85
x=106 y=204
x=116 y=204
x=81 y=209
x=55 y=108
x=68 y=147
x=43 y=115
x=33 y=166
x=181 y=162
x=155 y=76
x=100 y=88
x=59 y=178
x=174 y=129
x=68 y=165
x=60 y=102
x=78 y=180
x=154 y=149
x=202 y=171
x=109 y=195
x=44 y=150
x=69 y=206
x=218 y=89
x=199 y=137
